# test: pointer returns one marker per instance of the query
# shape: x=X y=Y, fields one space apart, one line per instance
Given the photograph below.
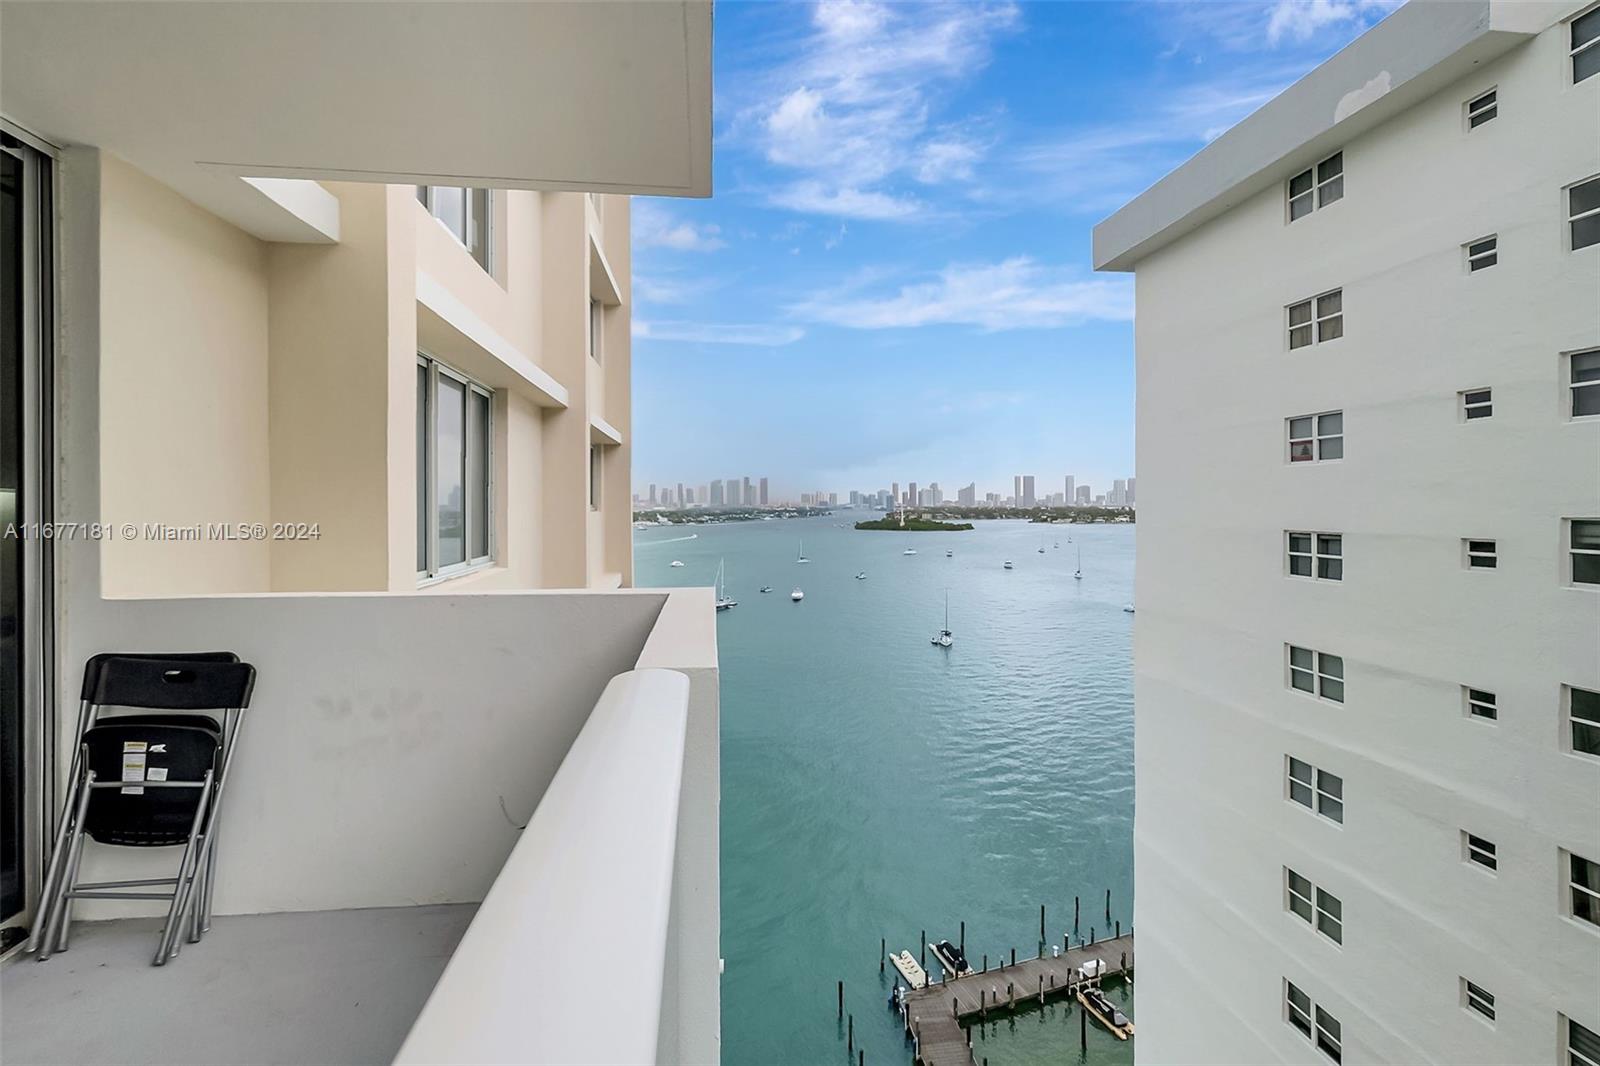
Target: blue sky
x=892 y=280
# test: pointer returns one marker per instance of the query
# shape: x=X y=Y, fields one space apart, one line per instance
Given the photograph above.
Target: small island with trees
x=913 y=524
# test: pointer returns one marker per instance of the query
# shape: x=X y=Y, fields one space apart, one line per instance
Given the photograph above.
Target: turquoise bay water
x=874 y=785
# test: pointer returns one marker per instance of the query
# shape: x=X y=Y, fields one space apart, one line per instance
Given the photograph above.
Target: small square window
x=1583 y=719
x=1584 y=888
x=1585 y=47
x=1477 y=403
x=1330 y=796
x=1481 y=704
x=1482 y=254
x=1583 y=210
x=1476 y=998
x=1330 y=179
x=1481 y=554
x=1316 y=438
x=1316 y=673
x=1300 y=195
x=1330 y=916
x=1301 y=775
x=1297 y=1006
x=1316 y=187
x=1583 y=369
x=1583 y=1044
x=1481 y=109
x=1330 y=316
x=1479 y=851
x=1300 y=329
x=1315 y=554
x=1298 y=896
x=1329 y=1035
x=1583 y=550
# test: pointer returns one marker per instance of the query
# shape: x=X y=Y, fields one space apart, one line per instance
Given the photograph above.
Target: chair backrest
x=173 y=684
x=91 y=669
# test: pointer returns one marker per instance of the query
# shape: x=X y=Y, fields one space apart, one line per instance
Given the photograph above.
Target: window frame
x=1570 y=554
x=1315 y=319
x=1317 y=672
x=1466 y=405
x=596 y=477
x=1321 y=560
x=1314 y=788
x=484 y=257
x=597 y=333
x=1315 y=193
x=1574 y=50
x=1570 y=724
x=1472 y=698
x=1475 y=999
x=1480 y=852
x=433 y=572
x=1572 y=891
x=1475 y=107
x=1473 y=553
x=1570 y=385
x=1573 y=218
x=1315 y=442
x=1568 y=1053
x=1476 y=257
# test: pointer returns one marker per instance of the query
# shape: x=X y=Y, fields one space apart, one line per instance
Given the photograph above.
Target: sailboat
x=944 y=638
x=797 y=595
x=1077 y=575
x=801 y=558
x=724 y=601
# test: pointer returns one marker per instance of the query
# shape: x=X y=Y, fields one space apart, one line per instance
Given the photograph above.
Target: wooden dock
x=934 y=1015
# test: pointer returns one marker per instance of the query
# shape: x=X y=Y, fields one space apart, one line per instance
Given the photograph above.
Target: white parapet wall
x=566 y=960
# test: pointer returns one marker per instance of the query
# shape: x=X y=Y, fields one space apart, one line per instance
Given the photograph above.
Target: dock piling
x=1108 y=905
x=986 y=964
x=1013 y=956
x=1041 y=990
x=963 y=944
x=1124 y=962
x=1041 y=923
x=841 y=1001
x=1083 y=1028
x=1074 y=914
x=850 y=1041
x=1119 y=926
x=923 y=940
x=1091 y=935
x=883 y=950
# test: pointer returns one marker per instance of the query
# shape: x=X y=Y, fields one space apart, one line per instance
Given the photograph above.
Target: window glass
x=422 y=468
x=1583 y=205
x=450 y=207
x=450 y=490
x=478 y=466
x=1586 y=383
x=1583 y=708
x=1586 y=46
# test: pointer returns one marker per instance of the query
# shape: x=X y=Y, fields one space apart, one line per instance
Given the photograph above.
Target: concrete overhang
x=603 y=432
x=1416 y=51
x=449 y=329
x=602 y=282
x=606 y=97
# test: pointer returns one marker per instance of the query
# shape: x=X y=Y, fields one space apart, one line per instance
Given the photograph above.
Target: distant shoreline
x=914 y=525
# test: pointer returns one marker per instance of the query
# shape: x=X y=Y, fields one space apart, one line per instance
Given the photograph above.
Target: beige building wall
x=276 y=383
x=184 y=411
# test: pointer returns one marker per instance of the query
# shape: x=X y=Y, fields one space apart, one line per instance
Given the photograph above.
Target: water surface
x=874 y=785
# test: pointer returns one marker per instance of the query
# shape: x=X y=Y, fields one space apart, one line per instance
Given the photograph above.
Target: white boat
x=801 y=558
x=797 y=595
x=944 y=638
x=677 y=562
x=861 y=576
x=1077 y=574
x=1129 y=608
x=949 y=553
x=909 y=551
x=724 y=601
x=1009 y=566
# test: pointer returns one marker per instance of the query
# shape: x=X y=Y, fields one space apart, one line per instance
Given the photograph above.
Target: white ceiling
x=606 y=96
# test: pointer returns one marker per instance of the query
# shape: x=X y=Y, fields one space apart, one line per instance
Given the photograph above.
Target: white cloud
x=655 y=289
x=816 y=197
x=1300 y=20
x=850 y=115
x=655 y=227
x=1016 y=293
x=751 y=334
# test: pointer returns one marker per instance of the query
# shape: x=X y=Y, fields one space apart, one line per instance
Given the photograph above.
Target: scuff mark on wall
x=1352 y=102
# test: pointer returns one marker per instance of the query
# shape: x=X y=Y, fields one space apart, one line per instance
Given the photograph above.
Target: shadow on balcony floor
x=329 y=987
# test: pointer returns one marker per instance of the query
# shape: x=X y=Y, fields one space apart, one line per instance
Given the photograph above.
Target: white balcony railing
x=566 y=959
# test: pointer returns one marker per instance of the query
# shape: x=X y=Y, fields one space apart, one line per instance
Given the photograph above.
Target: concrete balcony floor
x=329 y=987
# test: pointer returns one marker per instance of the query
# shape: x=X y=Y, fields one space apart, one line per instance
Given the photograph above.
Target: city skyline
x=894 y=272
x=745 y=491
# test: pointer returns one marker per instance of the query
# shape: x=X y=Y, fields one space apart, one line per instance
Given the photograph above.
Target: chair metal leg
x=231 y=721
x=186 y=873
x=52 y=873
x=55 y=915
x=203 y=878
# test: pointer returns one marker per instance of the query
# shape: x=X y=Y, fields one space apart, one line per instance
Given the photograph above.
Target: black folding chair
x=148 y=780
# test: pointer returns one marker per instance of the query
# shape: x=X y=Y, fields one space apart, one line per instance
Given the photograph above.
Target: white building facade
x=1367 y=793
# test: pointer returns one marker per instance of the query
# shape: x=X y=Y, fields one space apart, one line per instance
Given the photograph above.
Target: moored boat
x=1103 y=1011
x=950 y=957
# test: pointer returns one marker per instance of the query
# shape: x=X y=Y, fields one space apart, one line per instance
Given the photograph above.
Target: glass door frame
x=40 y=787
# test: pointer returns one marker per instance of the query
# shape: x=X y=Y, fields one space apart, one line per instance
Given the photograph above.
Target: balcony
x=376 y=899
